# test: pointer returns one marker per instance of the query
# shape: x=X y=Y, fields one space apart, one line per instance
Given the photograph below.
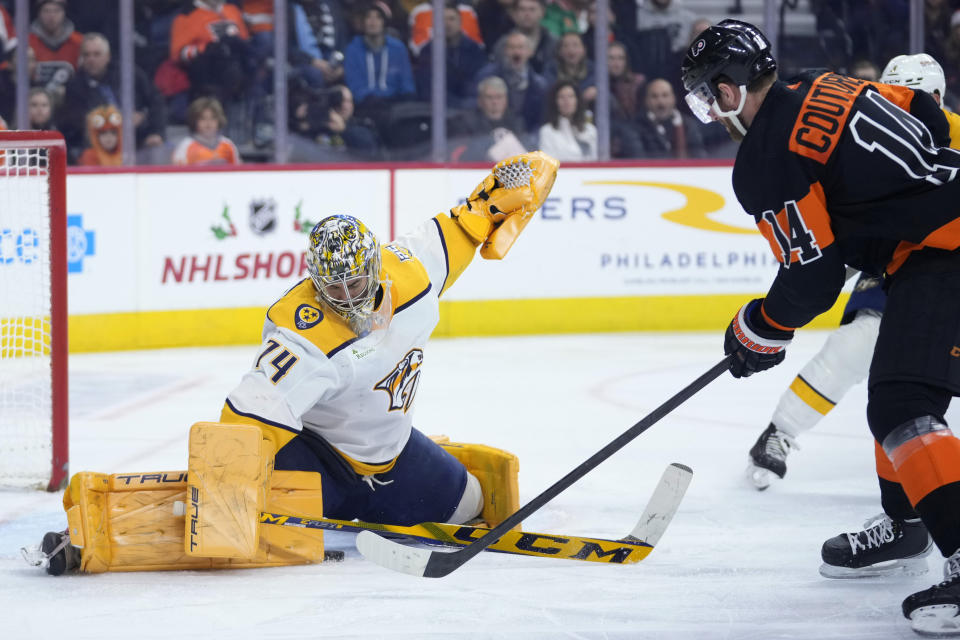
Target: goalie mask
x=732 y=51
x=344 y=264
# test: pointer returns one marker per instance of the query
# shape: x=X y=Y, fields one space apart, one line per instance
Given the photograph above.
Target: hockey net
x=33 y=313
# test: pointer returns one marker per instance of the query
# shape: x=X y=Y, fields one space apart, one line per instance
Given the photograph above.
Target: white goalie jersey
x=313 y=372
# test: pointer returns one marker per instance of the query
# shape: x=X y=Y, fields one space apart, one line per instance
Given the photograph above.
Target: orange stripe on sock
x=885 y=468
x=926 y=463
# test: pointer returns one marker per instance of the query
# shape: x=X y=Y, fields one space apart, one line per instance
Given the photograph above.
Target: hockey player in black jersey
x=842 y=172
x=844 y=359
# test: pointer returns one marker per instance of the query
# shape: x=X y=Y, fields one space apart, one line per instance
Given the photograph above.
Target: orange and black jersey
x=838 y=171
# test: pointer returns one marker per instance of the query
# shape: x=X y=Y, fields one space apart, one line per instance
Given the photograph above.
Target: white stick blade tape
x=663 y=503
x=392 y=555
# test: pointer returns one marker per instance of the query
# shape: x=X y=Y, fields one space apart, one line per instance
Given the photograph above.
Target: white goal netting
x=26 y=393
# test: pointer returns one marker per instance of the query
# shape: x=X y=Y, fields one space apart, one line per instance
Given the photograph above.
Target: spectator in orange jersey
x=210 y=42
x=103 y=130
x=258 y=14
x=56 y=45
x=421 y=24
x=206 y=145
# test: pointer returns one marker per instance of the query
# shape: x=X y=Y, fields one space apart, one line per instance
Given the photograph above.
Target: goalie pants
x=424 y=485
x=914 y=374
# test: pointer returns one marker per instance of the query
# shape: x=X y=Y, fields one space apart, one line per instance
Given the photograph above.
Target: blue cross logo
x=80 y=243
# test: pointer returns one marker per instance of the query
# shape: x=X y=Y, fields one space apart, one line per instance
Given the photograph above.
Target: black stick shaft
x=441 y=564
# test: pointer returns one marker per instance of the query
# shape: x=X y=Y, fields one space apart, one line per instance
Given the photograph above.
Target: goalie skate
x=934 y=612
x=884 y=547
x=55 y=554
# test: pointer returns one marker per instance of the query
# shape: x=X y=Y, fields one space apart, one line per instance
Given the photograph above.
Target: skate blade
x=936 y=621
x=35 y=556
x=758 y=477
x=916 y=566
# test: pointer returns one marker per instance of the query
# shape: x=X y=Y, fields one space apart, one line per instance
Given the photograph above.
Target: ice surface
x=735 y=563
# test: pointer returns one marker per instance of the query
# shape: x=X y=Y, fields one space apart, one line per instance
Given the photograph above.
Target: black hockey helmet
x=735 y=49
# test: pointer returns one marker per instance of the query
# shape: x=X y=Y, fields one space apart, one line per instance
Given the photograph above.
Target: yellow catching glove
x=502 y=205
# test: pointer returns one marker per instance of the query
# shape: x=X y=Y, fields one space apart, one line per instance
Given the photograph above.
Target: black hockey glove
x=755 y=344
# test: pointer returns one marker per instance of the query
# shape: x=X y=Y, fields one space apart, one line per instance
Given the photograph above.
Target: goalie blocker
x=210 y=516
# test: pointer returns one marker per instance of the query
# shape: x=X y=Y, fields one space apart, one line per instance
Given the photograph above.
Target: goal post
x=33 y=310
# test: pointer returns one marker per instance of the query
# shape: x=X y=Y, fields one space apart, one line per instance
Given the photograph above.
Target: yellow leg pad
x=497 y=471
x=229 y=468
x=126 y=522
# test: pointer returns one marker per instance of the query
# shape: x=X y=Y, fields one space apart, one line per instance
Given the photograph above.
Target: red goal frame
x=57 y=184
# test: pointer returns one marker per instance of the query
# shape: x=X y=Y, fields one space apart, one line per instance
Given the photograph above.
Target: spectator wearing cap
x=377 y=66
x=394 y=13
x=56 y=45
x=464 y=59
x=527 y=16
x=97 y=83
x=526 y=88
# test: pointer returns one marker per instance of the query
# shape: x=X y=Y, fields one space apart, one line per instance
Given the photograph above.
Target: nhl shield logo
x=263 y=216
x=401 y=383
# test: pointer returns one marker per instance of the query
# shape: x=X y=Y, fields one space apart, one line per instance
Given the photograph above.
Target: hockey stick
x=436 y=564
x=630 y=549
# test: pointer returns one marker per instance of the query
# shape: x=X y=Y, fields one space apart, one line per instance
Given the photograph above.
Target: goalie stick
x=630 y=549
x=436 y=564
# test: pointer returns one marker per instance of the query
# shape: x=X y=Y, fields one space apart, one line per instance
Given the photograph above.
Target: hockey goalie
x=322 y=423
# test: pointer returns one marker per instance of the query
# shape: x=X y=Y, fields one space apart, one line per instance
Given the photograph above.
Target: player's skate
x=884 y=547
x=934 y=612
x=55 y=554
x=768 y=457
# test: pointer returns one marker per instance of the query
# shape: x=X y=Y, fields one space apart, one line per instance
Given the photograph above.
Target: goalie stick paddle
x=437 y=564
x=630 y=549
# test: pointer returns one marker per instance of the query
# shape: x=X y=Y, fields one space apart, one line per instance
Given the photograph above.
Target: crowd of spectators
x=520 y=74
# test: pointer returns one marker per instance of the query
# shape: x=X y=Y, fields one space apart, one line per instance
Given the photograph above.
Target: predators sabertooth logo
x=401 y=383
